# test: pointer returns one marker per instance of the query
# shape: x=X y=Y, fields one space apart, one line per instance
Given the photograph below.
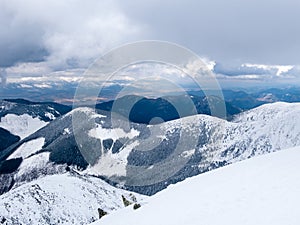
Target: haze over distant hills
x=63 y=92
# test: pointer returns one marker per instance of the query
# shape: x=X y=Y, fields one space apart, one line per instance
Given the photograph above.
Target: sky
x=250 y=40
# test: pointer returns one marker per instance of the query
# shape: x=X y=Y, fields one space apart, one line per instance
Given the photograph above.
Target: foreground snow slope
x=261 y=190
x=60 y=199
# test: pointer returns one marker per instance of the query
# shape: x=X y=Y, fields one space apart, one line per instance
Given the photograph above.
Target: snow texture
x=28 y=148
x=61 y=199
x=22 y=125
x=261 y=190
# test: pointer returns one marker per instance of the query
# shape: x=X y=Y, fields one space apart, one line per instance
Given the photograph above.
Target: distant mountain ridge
x=249 y=99
x=145 y=109
x=40 y=109
x=20 y=118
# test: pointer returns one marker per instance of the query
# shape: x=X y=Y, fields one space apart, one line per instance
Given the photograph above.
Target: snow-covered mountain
x=22 y=118
x=119 y=156
x=66 y=198
x=261 y=190
x=22 y=125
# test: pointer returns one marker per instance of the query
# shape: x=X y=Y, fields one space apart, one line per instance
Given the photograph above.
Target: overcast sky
x=38 y=37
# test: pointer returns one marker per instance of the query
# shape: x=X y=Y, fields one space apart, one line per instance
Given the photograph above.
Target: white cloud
x=30 y=68
x=97 y=31
x=280 y=69
x=67 y=34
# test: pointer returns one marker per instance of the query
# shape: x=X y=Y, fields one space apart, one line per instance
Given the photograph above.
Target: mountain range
x=214 y=142
x=84 y=146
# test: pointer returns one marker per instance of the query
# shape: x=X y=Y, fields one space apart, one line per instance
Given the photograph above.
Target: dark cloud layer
x=20 y=40
x=232 y=31
x=64 y=34
x=72 y=33
x=240 y=70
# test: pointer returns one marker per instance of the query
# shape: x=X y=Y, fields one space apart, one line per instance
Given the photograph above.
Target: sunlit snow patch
x=28 y=148
x=114 y=134
x=50 y=115
x=110 y=164
x=22 y=125
x=33 y=163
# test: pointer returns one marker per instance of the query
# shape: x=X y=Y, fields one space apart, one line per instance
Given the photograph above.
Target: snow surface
x=265 y=129
x=251 y=133
x=261 y=190
x=110 y=164
x=114 y=134
x=33 y=163
x=66 y=131
x=61 y=199
x=28 y=148
x=22 y=125
x=50 y=115
x=86 y=110
x=268 y=128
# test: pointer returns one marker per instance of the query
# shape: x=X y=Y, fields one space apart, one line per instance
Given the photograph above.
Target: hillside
x=148 y=158
x=261 y=190
x=20 y=118
x=60 y=199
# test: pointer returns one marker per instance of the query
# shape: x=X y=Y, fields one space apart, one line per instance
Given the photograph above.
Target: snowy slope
x=34 y=167
x=22 y=118
x=266 y=129
x=28 y=148
x=21 y=125
x=60 y=199
x=113 y=152
x=261 y=190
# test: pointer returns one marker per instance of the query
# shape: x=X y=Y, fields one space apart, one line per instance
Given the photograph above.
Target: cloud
x=64 y=34
x=70 y=33
x=252 y=69
x=237 y=70
x=28 y=69
x=232 y=31
x=248 y=40
x=3 y=76
x=257 y=74
x=272 y=68
x=292 y=73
